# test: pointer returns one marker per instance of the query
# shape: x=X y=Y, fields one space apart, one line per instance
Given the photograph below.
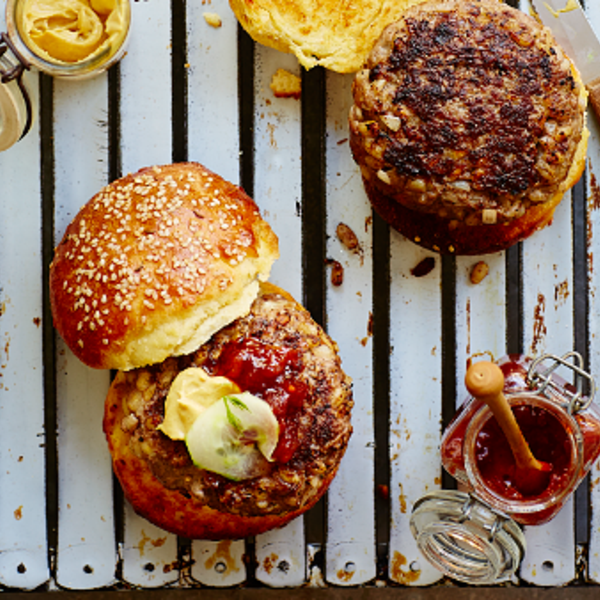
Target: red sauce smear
x=547 y=440
x=271 y=373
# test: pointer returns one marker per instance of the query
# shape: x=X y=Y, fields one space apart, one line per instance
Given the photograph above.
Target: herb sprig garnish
x=233 y=420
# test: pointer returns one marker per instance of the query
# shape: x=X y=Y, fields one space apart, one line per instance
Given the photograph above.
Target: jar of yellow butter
x=69 y=38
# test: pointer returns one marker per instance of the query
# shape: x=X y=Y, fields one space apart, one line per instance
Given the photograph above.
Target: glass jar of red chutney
x=472 y=535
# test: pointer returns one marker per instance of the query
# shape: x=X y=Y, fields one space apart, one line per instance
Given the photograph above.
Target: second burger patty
x=279 y=354
x=465 y=106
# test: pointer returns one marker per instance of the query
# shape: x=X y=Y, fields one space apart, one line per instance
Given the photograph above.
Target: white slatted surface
x=350 y=556
x=593 y=204
x=213 y=124
x=23 y=559
x=480 y=314
x=548 y=324
x=415 y=401
x=87 y=556
x=86 y=550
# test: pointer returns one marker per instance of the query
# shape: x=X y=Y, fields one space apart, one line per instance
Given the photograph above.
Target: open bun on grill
x=468 y=125
x=334 y=35
x=155 y=263
x=297 y=371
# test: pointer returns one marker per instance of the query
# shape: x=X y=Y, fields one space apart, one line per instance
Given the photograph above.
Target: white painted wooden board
x=149 y=553
x=212 y=76
x=85 y=528
x=23 y=543
x=350 y=549
x=86 y=554
x=548 y=327
x=280 y=555
x=593 y=250
x=480 y=315
x=415 y=402
x=277 y=159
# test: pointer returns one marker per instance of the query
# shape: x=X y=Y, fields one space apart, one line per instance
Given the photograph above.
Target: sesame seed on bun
x=155 y=263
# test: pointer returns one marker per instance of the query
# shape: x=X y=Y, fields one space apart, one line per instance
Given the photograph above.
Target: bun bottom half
x=170 y=509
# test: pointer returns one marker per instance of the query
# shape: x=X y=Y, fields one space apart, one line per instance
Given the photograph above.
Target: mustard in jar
x=69 y=37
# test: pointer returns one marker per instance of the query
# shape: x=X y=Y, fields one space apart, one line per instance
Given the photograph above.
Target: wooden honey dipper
x=485 y=381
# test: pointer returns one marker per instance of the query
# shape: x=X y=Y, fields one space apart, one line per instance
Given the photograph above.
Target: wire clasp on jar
x=15 y=73
x=543 y=380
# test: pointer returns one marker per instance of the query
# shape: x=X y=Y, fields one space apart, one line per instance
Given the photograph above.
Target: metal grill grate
x=188 y=91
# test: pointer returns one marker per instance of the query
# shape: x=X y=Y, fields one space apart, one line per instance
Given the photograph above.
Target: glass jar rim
x=466 y=539
x=88 y=67
x=536 y=503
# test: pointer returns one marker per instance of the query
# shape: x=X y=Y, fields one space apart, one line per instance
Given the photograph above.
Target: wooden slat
x=281 y=557
x=86 y=556
x=212 y=77
x=480 y=314
x=23 y=542
x=218 y=564
x=350 y=549
x=593 y=253
x=85 y=496
x=415 y=401
x=149 y=553
x=548 y=327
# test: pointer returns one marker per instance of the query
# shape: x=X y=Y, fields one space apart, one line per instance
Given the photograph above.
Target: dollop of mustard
x=71 y=30
x=192 y=391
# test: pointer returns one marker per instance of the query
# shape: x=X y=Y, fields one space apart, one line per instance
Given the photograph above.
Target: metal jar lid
x=15 y=103
x=466 y=539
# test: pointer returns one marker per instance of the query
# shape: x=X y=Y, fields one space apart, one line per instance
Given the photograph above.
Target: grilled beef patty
x=468 y=110
x=280 y=354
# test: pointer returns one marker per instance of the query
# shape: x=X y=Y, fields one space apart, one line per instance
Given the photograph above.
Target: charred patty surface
x=312 y=401
x=467 y=109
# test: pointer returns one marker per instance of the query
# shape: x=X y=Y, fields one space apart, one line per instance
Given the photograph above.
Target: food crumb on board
x=348 y=237
x=286 y=85
x=213 y=19
x=424 y=267
x=479 y=272
x=337 y=272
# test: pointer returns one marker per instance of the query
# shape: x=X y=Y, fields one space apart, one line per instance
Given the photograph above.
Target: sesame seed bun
x=155 y=263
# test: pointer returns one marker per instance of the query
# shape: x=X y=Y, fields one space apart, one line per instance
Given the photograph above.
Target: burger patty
x=284 y=357
x=469 y=110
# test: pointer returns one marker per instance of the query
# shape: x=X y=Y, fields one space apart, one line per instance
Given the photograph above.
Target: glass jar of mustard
x=74 y=39
x=69 y=38
x=474 y=535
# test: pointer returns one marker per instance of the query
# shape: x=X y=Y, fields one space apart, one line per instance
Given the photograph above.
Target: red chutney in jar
x=271 y=373
x=548 y=441
x=495 y=480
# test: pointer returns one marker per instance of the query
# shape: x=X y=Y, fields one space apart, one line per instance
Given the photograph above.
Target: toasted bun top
x=327 y=33
x=155 y=263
